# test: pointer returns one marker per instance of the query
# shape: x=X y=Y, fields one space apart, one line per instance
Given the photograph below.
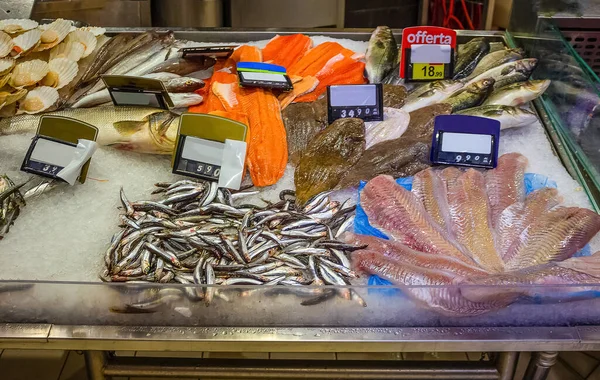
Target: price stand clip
x=362 y=101
x=427 y=53
x=61 y=149
x=463 y=140
x=208 y=51
x=212 y=148
x=137 y=91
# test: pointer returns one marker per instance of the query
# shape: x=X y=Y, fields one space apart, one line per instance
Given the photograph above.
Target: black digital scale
x=362 y=101
x=462 y=140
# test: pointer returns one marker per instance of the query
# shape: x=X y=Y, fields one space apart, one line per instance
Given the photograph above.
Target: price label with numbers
x=362 y=101
x=137 y=91
x=427 y=53
x=212 y=148
x=426 y=71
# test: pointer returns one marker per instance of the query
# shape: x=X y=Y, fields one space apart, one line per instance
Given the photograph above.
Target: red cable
x=464 y=6
x=445 y=20
x=460 y=25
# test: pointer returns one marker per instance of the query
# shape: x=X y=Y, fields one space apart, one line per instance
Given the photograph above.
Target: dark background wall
x=371 y=13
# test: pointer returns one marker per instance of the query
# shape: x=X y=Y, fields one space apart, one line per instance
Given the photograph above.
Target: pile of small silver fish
x=199 y=234
x=11 y=202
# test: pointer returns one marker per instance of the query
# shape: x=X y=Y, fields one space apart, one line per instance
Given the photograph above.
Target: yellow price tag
x=428 y=71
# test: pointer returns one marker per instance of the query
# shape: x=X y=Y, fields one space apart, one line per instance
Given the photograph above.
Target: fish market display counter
x=51 y=297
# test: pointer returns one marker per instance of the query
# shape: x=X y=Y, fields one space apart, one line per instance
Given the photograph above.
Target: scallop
x=38 y=100
x=4 y=80
x=96 y=30
x=62 y=72
x=28 y=73
x=7 y=98
x=26 y=42
x=13 y=26
x=6 y=44
x=6 y=65
x=72 y=49
x=54 y=33
x=86 y=38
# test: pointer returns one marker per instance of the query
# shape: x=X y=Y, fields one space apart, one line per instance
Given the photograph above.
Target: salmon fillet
x=286 y=50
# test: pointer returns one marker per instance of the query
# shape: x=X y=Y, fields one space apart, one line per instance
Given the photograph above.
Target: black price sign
x=137 y=91
x=47 y=156
x=208 y=51
x=362 y=101
x=200 y=158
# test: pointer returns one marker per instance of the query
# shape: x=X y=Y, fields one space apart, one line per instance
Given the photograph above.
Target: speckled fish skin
x=469 y=212
x=394 y=96
x=302 y=122
x=508 y=73
x=556 y=236
x=470 y=96
x=442 y=297
x=431 y=191
x=495 y=59
x=422 y=121
x=399 y=252
x=431 y=93
x=328 y=156
x=505 y=184
x=516 y=217
x=469 y=57
x=508 y=116
x=381 y=55
x=517 y=93
x=395 y=211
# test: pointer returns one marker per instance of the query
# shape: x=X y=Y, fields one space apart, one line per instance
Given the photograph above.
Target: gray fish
x=382 y=54
x=184 y=66
x=183 y=84
x=431 y=93
x=517 y=93
x=469 y=57
x=471 y=95
x=496 y=59
x=508 y=116
x=508 y=73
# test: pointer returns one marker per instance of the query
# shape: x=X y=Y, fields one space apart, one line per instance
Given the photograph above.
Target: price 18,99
x=428 y=71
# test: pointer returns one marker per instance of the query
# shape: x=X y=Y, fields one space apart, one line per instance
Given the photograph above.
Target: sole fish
x=397 y=212
x=432 y=288
x=303 y=121
x=505 y=184
x=431 y=191
x=470 y=216
x=422 y=121
x=394 y=124
x=516 y=217
x=555 y=236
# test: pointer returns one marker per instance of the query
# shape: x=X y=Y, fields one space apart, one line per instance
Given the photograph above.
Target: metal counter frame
x=98 y=340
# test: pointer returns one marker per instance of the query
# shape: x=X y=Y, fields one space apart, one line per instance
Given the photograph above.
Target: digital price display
x=47 y=156
x=427 y=53
x=463 y=140
x=137 y=91
x=200 y=158
x=362 y=101
x=266 y=75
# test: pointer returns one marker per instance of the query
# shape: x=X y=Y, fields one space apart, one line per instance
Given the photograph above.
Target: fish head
x=154 y=134
x=537 y=86
x=381 y=55
x=526 y=65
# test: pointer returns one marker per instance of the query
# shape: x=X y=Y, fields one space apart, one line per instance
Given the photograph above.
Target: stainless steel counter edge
x=299 y=339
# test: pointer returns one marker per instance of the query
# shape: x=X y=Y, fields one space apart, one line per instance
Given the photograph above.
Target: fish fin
x=129 y=127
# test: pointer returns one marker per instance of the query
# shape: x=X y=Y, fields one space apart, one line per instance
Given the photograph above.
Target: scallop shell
x=6 y=44
x=54 y=33
x=7 y=98
x=6 y=65
x=96 y=30
x=86 y=38
x=62 y=72
x=13 y=26
x=71 y=49
x=26 y=42
x=38 y=100
x=28 y=73
x=4 y=80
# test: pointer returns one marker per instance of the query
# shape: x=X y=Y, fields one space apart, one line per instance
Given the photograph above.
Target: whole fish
x=393 y=95
x=184 y=66
x=470 y=55
x=302 y=122
x=184 y=100
x=470 y=96
x=183 y=84
x=110 y=48
x=430 y=93
x=517 y=93
x=382 y=54
x=394 y=124
x=422 y=121
x=509 y=117
x=508 y=73
x=496 y=59
x=144 y=130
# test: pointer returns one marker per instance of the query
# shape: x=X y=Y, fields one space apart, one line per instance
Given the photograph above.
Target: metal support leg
x=95 y=361
x=540 y=365
x=507 y=365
